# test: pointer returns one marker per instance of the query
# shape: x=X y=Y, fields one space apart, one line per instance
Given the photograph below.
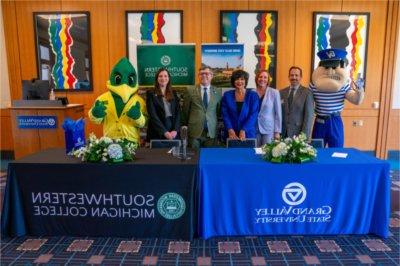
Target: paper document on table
x=258 y=150
x=339 y=155
x=397 y=183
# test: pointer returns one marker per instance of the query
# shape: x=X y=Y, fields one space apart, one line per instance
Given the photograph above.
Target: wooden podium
x=30 y=139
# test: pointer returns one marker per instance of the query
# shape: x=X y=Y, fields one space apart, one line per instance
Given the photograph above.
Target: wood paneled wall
x=393 y=132
x=6 y=138
x=201 y=25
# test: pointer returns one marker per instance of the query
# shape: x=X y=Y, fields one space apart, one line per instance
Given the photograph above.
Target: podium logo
x=294 y=193
x=51 y=121
x=171 y=206
x=165 y=60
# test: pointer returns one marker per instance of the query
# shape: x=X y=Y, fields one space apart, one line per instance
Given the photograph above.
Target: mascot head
x=123 y=80
x=331 y=74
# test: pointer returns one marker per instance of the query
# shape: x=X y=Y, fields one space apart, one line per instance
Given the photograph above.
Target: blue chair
x=164 y=143
x=246 y=143
x=317 y=143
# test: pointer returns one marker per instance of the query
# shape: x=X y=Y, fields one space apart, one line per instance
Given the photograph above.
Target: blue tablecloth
x=240 y=194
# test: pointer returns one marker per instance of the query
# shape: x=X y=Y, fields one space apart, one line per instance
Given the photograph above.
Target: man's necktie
x=205 y=98
x=205 y=102
x=290 y=99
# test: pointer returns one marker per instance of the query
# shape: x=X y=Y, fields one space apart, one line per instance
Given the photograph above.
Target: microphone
x=184 y=136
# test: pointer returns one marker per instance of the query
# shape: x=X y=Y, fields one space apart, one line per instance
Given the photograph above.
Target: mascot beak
x=123 y=90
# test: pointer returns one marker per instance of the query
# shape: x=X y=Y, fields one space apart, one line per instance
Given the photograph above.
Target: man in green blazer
x=200 y=108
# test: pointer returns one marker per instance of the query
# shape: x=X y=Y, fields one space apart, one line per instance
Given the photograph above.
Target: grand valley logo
x=294 y=193
x=171 y=205
x=51 y=121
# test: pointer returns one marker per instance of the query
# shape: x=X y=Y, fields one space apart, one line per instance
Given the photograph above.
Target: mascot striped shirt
x=327 y=103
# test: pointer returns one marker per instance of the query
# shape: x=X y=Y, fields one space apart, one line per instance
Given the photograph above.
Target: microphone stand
x=184 y=135
x=184 y=150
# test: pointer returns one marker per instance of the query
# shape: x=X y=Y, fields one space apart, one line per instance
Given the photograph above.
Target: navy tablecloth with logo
x=240 y=194
x=49 y=193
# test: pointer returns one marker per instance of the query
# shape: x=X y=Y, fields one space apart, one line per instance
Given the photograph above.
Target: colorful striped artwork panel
x=61 y=42
x=63 y=46
x=345 y=31
x=152 y=27
x=257 y=31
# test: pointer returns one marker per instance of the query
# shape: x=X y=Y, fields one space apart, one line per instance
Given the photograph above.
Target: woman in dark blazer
x=240 y=108
x=163 y=108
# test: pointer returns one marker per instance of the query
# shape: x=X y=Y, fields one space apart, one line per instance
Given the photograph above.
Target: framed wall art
x=63 y=49
x=348 y=31
x=151 y=27
x=257 y=30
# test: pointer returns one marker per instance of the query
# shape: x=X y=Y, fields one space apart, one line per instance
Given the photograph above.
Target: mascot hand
x=359 y=83
x=134 y=112
x=99 y=109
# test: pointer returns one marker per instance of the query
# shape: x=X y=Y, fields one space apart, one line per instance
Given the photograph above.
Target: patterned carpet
x=269 y=250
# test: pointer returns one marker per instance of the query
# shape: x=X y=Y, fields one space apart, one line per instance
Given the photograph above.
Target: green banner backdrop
x=179 y=59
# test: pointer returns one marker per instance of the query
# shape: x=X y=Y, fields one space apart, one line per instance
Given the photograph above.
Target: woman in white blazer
x=269 y=122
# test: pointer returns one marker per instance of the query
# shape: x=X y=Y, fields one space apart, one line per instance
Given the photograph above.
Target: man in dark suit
x=297 y=106
x=200 y=106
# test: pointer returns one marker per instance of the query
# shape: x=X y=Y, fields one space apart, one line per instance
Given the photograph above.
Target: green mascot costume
x=121 y=110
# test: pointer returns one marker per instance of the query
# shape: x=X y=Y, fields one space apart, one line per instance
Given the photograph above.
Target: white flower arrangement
x=106 y=149
x=289 y=150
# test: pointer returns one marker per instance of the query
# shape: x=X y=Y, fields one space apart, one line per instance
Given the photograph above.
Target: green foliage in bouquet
x=289 y=150
x=106 y=149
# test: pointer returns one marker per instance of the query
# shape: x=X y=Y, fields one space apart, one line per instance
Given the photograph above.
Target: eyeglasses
x=205 y=74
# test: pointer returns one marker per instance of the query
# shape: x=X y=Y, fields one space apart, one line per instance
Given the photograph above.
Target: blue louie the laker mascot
x=330 y=86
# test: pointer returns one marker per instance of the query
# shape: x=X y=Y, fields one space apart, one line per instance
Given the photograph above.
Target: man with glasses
x=200 y=107
x=330 y=87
